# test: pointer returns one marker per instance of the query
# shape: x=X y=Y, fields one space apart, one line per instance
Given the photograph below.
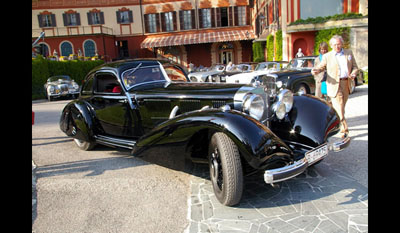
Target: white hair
x=334 y=38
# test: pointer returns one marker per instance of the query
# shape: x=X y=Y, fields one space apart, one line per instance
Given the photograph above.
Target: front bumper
x=287 y=172
x=64 y=93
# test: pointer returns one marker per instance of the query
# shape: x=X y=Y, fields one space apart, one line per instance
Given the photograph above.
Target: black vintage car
x=297 y=75
x=148 y=105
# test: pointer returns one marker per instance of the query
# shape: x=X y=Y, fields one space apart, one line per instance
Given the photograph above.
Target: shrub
x=42 y=69
x=258 y=53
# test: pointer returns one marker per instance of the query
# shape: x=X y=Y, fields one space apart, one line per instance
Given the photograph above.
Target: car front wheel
x=225 y=169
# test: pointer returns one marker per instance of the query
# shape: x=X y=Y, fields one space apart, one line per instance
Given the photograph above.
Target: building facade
x=273 y=15
x=202 y=32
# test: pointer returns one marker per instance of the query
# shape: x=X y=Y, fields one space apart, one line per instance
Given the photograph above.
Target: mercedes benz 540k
x=148 y=105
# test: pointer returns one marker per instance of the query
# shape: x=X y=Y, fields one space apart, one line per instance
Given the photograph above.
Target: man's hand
x=315 y=71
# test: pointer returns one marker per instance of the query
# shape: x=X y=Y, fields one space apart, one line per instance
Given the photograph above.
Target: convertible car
x=148 y=105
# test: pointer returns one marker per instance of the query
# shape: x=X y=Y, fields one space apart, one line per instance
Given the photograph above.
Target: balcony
x=72 y=31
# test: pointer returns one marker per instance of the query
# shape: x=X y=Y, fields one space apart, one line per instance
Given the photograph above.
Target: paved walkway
x=331 y=196
x=320 y=200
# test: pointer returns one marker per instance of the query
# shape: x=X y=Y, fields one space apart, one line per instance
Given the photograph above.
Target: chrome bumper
x=287 y=172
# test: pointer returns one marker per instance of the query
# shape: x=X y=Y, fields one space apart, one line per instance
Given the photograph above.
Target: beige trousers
x=339 y=103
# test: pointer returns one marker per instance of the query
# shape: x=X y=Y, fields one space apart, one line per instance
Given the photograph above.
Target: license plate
x=316 y=154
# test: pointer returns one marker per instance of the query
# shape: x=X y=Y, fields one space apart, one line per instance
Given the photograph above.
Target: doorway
x=123 y=51
x=226 y=53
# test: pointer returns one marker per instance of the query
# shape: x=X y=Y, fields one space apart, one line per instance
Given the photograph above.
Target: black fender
x=310 y=122
x=77 y=121
x=256 y=142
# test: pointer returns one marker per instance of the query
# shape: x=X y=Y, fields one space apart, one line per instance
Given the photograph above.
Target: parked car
x=203 y=76
x=359 y=80
x=297 y=75
x=237 y=129
x=242 y=68
x=262 y=68
x=61 y=86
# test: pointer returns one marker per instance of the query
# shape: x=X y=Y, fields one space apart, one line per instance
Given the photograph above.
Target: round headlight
x=279 y=109
x=51 y=89
x=286 y=97
x=254 y=106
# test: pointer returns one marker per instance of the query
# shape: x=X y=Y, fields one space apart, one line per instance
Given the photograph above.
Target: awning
x=197 y=38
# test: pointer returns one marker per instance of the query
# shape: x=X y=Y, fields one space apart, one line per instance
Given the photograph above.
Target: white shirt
x=341 y=60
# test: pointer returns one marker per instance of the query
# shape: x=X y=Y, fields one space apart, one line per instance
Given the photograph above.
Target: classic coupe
x=60 y=86
x=148 y=105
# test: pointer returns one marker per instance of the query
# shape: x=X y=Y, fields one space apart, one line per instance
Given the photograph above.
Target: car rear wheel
x=225 y=169
x=84 y=145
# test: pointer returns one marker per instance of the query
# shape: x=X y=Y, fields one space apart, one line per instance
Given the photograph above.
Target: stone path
x=322 y=199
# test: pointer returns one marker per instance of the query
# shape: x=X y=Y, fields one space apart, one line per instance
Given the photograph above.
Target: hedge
x=326 y=35
x=42 y=69
x=270 y=47
x=258 y=53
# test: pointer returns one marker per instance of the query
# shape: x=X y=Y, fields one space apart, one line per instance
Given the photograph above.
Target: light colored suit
x=330 y=64
x=338 y=89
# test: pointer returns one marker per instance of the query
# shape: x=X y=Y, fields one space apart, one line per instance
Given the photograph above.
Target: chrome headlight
x=279 y=109
x=286 y=97
x=51 y=89
x=254 y=106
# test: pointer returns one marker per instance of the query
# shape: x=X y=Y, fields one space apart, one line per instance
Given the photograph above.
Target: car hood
x=291 y=72
x=189 y=90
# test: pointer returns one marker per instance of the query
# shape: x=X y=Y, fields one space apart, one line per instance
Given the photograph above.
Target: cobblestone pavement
x=331 y=196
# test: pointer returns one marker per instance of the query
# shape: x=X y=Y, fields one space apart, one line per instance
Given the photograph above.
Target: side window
x=107 y=83
x=87 y=88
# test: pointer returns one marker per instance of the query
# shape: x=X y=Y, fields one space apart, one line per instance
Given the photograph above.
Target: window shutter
x=193 y=12
x=158 y=22
x=130 y=16
x=230 y=16
x=181 y=22
x=78 y=19
x=200 y=19
x=89 y=16
x=213 y=10
x=146 y=23
x=118 y=16
x=247 y=15
x=174 y=19
x=218 y=13
x=40 y=21
x=53 y=20
x=101 y=17
x=235 y=9
x=163 y=25
x=65 y=20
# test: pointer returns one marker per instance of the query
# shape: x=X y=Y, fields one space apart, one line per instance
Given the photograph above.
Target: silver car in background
x=61 y=86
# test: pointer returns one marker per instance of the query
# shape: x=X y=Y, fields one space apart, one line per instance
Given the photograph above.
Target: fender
x=256 y=142
x=310 y=122
x=77 y=121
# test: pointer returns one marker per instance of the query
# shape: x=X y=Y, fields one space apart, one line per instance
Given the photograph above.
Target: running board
x=110 y=141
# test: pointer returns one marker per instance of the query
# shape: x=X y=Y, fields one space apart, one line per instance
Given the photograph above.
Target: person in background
x=319 y=78
x=341 y=67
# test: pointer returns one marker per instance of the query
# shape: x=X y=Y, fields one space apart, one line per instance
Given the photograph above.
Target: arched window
x=66 y=48
x=89 y=48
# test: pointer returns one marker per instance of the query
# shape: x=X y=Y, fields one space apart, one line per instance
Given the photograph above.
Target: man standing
x=341 y=67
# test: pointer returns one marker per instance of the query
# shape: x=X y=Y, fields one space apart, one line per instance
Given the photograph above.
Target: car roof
x=122 y=65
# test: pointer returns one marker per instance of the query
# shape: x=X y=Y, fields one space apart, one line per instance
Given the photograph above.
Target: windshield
x=300 y=63
x=59 y=78
x=142 y=75
x=266 y=66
